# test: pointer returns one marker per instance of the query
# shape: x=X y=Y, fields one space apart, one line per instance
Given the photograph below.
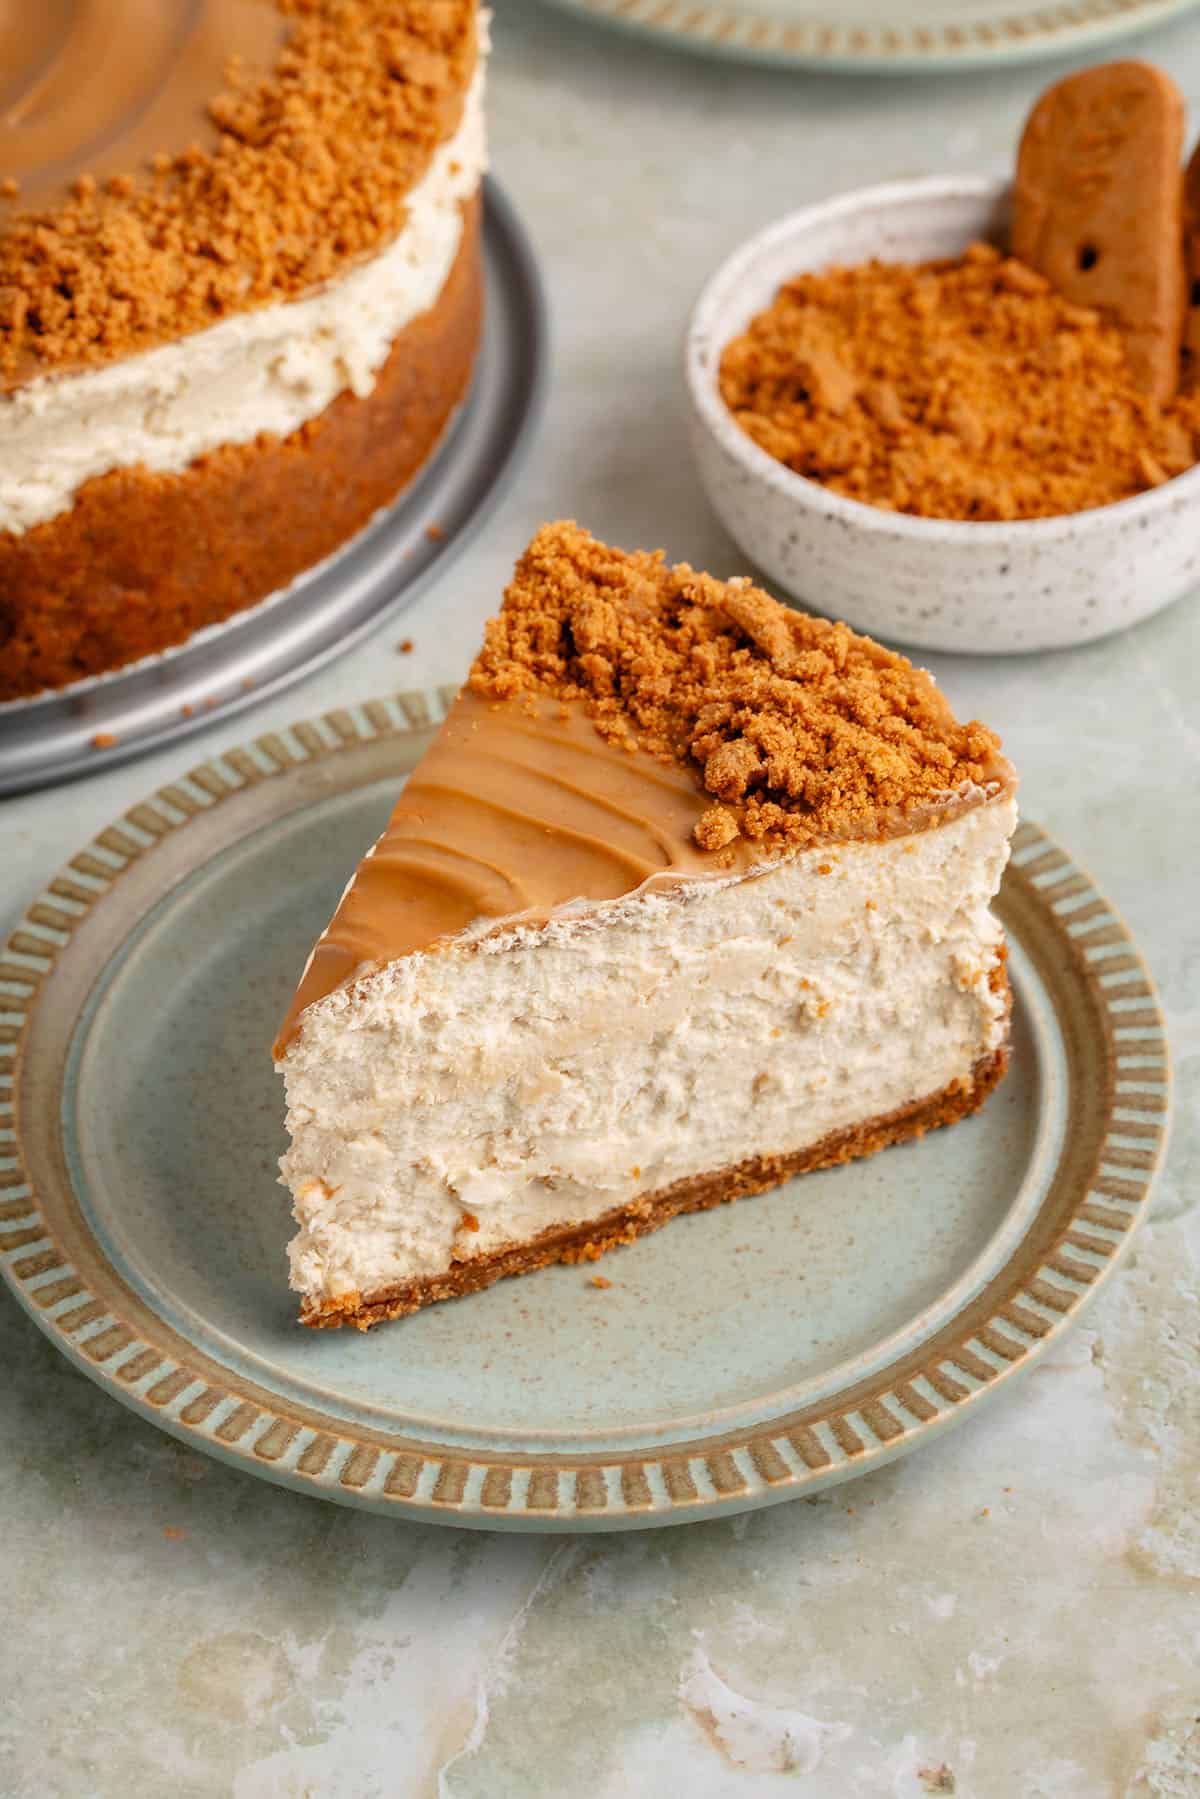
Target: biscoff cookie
x=1191 y=254
x=1098 y=210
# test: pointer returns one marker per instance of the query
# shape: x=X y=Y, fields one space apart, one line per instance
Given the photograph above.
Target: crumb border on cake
x=801 y=730
x=310 y=173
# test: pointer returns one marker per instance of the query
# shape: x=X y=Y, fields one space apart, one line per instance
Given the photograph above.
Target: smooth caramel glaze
x=517 y=808
x=100 y=87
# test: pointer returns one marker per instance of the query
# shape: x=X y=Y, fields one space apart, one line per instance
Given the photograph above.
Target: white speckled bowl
x=938 y=584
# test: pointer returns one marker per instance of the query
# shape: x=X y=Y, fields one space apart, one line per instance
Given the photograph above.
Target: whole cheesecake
x=689 y=894
x=240 y=297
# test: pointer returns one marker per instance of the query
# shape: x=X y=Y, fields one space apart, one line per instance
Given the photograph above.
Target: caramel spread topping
x=97 y=88
x=627 y=723
x=167 y=164
x=513 y=811
x=963 y=389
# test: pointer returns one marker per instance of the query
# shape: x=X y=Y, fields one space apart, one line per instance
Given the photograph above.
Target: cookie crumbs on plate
x=802 y=730
x=967 y=389
x=598 y=1280
x=406 y=646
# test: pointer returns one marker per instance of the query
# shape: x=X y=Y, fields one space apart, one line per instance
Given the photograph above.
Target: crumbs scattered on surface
x=312 y=170
x=103 y=740
x=598 y=1280
x=435 y=533
x=801 y=730
x=406 y=646
x=963 y=389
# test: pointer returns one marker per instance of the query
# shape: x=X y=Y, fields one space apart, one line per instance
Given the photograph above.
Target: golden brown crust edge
x=587 y=1242
x=142 y=561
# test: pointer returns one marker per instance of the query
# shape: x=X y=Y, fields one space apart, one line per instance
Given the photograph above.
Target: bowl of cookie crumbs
x=957 y=419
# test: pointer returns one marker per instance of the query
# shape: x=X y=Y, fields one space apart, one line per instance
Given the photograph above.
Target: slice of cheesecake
x=689 y=894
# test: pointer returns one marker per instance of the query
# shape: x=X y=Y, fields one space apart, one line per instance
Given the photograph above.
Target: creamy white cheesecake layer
x=267 y=371
x=542 y=1076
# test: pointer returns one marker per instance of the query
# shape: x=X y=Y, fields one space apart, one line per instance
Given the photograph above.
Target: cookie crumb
x=598 y=1280
x=435 y=533
x=103 y=740
x=715 y=828
x=406 y=646
x=969 y=389
x=802 y=730
x=310 y=169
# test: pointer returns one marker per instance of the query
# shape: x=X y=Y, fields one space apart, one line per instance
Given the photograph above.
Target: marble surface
x=1013 y=1612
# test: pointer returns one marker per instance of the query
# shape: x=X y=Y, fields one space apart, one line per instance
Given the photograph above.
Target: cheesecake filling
x=477 y=1094
x=265 y=371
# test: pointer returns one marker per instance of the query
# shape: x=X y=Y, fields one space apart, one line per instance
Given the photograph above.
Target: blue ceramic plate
x=739 y=1357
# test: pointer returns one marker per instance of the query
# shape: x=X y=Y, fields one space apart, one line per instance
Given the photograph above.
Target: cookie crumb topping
x=311 y=171
x=801 y=730
x=960 y=389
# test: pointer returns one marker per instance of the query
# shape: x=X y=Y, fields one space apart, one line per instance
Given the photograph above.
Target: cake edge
x=58 y=626
x=649 y=1212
